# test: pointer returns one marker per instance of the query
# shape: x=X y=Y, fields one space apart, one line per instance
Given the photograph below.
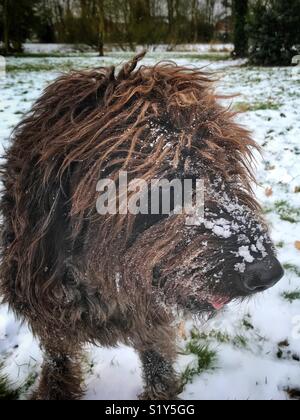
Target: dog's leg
x=161 y=380
x=158 y=354
x=61 y=377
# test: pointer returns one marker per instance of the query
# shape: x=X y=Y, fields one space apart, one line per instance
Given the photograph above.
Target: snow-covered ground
x=37 y=48
x=256 y=344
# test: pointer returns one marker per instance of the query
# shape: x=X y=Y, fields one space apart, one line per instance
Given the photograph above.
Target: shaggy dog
x=79 y=277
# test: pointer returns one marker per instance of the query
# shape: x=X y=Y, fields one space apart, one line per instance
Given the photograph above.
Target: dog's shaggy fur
x=79 y=277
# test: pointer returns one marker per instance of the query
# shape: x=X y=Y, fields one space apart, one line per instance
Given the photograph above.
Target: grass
x=221 y=337
x=40 y=67
x=293 y=268
x=69 y=64
x=247 y=324
x=205 y=360
x=292 y=296
x=174 y=55
x=201 y=57
x=30 y=381
x=285 y=211
x=7 y=393
x=217 y=335
x=45 y=55
x=240 y=341
x=256 y=106
x=206 y=357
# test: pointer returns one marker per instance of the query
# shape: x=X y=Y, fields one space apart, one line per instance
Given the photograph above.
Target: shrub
x=274 y=31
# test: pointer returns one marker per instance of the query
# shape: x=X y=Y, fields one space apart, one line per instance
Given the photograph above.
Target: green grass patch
x=7 y=393
x=292 y=296
x=173 y=55
x=199 y=346
x=221 y=337
x=247 y=324
x=205 y=360
x=240 y=341
x=47 y=55
x=30 y=381
x=200 y=57
x=256 y=106
x=71 y=62
x=293 y=268
x=287 y=212
x=267 y=210
x=216 y=335
x=41 y=67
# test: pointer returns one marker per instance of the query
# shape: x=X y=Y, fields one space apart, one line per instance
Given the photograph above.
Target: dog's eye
x=165 y=199
x=144 y=222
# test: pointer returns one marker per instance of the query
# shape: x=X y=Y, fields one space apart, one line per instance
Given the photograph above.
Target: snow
x=244 y=252
x=36 y=48
x=240 y=267
x=253 y=371
x=220 y=228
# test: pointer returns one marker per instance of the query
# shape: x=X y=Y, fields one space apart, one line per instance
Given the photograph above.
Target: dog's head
x=227 y=254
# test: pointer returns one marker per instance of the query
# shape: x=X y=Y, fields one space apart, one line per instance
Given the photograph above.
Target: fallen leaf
x=297 y=245
x=297 y=190
x=284 y=343
x=269 y=191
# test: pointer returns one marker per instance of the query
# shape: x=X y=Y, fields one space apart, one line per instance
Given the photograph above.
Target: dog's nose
x=262 y=275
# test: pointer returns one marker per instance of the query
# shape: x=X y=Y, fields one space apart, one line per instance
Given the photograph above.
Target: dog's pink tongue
x=218 y=303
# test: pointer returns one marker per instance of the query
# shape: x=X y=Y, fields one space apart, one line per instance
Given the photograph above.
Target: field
x=249 y=351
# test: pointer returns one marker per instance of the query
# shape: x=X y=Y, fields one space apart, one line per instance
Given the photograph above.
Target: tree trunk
x=240 y=37
x=210 y=10
x=171 y=16
x=127 y=16
x=6 y=27
x=194 y=20
x=101 y=28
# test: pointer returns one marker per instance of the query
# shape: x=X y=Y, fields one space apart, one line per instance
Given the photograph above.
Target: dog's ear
x=129 y=67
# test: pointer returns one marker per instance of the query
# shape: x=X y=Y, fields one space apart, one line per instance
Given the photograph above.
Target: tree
x=101 y=26
x=46 y=21
x=18 y=23
x=170 y=4
x=240 y=36
x=143 y=25
x=96 y=22
x=5 y=27
x=210 y=10
x=274 y=32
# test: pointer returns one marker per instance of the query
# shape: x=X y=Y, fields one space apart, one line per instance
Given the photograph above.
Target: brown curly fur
x=60 y=258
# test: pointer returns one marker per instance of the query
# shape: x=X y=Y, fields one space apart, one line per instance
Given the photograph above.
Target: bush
x=274 y=32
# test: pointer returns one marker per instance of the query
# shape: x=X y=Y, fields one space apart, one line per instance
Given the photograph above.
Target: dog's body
x=79 y=277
